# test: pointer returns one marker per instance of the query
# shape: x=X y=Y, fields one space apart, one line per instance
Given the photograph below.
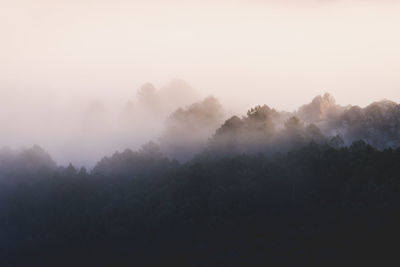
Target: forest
x=316 y=205
x=199 y=133
x=319 y=186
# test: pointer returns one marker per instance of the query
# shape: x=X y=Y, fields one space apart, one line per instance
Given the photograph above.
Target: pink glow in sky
x=57 y=56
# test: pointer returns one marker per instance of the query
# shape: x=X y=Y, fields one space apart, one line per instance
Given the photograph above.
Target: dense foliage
x=316 y=205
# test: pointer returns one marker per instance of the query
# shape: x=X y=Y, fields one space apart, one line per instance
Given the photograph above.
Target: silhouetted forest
x=317 y=204
x=317 y=186
x=195 y=133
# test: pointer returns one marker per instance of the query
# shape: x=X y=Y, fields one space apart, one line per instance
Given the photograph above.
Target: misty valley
x=209 y=187
x=199 y=133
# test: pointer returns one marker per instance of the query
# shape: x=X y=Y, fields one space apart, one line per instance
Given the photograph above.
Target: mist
x=199 y=133
x=70 y=71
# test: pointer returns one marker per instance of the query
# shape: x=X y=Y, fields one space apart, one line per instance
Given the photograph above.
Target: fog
x=70 y=71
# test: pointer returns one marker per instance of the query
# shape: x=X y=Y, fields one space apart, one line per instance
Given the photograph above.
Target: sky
x=57 y=56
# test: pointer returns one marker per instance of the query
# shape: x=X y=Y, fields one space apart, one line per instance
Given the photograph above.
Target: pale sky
x=277 y=52
x=63 y=53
